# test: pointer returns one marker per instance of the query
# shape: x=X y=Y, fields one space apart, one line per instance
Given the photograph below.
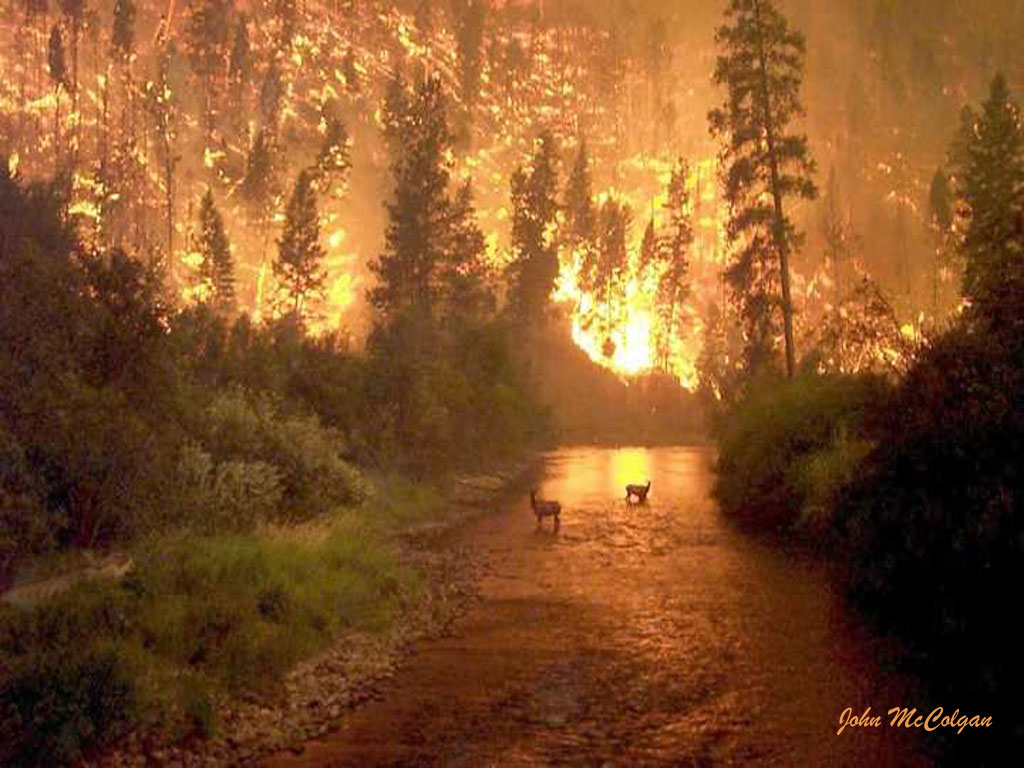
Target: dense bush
x=56 y=708
x=83 y=351
x=786 y=447
x=192 y=419
x=25 y=526
x=934 y=522
x=251 y=430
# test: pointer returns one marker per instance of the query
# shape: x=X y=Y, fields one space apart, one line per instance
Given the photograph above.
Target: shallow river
x=643 y=635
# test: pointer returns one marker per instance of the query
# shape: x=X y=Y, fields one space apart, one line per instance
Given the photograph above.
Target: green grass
x=197 y=616
x=791 y=443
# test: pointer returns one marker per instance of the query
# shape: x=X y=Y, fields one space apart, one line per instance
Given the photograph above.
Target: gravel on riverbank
x=319 y=692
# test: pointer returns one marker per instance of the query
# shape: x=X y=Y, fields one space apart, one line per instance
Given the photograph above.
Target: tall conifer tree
x=534 y=268
x=988 y=160
x=765 y=164
x=299 y=265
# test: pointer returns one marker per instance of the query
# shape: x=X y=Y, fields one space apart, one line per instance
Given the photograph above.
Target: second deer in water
x=638 y=492
x=544 y=509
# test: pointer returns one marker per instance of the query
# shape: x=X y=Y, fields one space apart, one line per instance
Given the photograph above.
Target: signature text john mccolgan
x=909 y=718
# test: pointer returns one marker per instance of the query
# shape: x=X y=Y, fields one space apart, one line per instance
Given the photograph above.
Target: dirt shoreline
x=319 y=692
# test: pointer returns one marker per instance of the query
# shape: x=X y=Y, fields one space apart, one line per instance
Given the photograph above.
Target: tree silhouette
x=299 y=268
x=761 y=66
x=216 y=271
x=535 y=251
x=988 y=159
x=420 y=209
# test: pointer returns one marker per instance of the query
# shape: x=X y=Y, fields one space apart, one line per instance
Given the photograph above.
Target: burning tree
x=164 y=111
x=603 y=269
x=209 y=32
x=216 y=270
x=59 y=76
x=861 y=334
x=837 y=235
x=298 y=268
x=764 y=163
x=535 y=251
x=259 y=189
x=674 y=263
x=239 y=70
x=941 y=209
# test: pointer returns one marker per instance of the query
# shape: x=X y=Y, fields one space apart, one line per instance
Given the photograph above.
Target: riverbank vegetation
x=909 y=479
x=256 y=476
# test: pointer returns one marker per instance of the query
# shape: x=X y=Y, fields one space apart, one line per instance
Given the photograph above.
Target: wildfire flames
x=546 y=90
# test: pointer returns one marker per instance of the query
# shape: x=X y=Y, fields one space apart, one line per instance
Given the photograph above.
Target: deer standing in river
x=544 y=509
x=638 y=492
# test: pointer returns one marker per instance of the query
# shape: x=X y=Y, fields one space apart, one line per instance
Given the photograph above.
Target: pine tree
x=713 y=365
x=74 y=13
x=350 y=72
x=258 y=185
x=162 y=106
x=271 y=92
x=334 y=161
x=208 y=33
x=988 y=161
x=259 y=189
x=603 y=271
x=216 y=271
x=761 y=65
x=534 y=268
x=240 y=68
x=395 y=112
x=650 y=248
x=610 y=74
x=299 y=268
x=673 y=283
x=123 y=172
x=470 y=16
x=59 y=77
x=463 y=274
x=420 y=209
x=657 y=65
x=580 y=212
x=941 y=214
x=835 y=233
x=122 y=36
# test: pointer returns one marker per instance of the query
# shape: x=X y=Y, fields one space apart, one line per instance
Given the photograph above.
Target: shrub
x=234 y=495
x=763 y=474
x=823 y=478
x=937 y=509
x=55 y=708
x=196 y=617
x=25 y=526
x=934 y=526
x=311 y=474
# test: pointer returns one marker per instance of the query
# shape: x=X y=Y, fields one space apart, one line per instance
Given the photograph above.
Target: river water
x=635 y=635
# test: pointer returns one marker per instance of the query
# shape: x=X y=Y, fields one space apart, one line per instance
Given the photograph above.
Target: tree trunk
x=781 y=243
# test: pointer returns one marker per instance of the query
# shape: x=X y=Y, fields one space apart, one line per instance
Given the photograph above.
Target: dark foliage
x=934 y=522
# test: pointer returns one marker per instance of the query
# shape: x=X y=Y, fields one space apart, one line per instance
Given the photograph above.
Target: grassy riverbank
x=197 y=618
